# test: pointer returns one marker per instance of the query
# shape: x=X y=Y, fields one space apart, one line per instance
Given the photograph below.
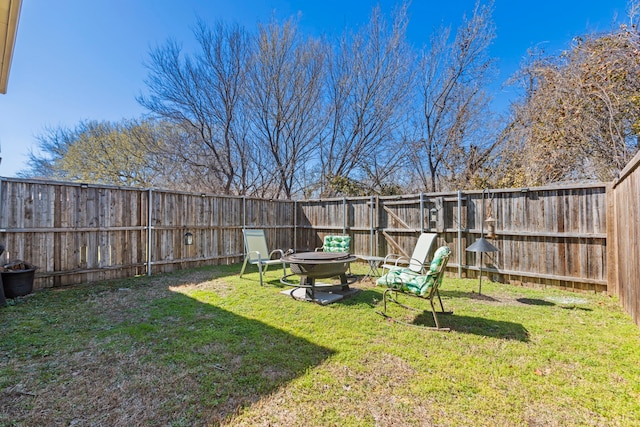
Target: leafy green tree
x=122 y=153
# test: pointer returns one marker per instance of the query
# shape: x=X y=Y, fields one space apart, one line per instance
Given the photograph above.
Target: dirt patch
x=95 y=387
x=375 y=394
x=567 y=300
x=219 y=286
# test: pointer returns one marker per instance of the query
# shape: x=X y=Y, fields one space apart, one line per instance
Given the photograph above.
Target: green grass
x=204 y=347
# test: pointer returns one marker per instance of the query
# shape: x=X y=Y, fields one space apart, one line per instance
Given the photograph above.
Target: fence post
x=613 y=285
x=344 y=216
x=371 y=230
x=244 y=212
x=421 y=212
x=377 y=224
x=2 y=212
x=460 y=252
x=149 y=231
x=295 y=225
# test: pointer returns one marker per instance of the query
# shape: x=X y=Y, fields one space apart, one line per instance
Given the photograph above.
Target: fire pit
x=318 y=265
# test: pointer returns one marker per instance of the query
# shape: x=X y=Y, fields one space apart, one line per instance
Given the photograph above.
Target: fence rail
x=80 y=233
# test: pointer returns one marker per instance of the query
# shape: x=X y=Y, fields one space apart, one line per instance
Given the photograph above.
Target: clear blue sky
x=83 y=59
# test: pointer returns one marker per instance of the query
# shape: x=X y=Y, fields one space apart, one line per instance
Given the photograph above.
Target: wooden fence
x=81 y=233
x=78 y=233
x=623 y=213
x=551 y=236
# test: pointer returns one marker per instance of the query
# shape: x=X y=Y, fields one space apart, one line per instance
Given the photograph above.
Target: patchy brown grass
x=203 y=347
x=365 y=397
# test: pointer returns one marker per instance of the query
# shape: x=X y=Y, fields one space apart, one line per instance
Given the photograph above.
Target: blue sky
x=84 y=59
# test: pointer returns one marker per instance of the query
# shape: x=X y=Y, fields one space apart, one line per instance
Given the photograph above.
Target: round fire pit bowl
x=319 y=265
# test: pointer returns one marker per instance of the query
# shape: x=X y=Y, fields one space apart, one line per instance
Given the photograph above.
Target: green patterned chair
x=335 y=244
x=408 y=282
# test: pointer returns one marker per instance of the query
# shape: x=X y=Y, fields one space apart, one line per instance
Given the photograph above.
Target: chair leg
x=260 y=270
x=440 y=300
x=384 y=300
x=385 y=296
x=244 y=265
x=384 y=304
x=435 y=316
x=442 y=306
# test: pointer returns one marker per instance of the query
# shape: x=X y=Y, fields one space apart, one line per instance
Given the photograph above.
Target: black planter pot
x=3 y=300
x=17 y=283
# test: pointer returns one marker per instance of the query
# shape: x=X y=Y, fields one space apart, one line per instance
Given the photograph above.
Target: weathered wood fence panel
x=80 y=233
x=318 y=218
x=623 y=231
x=215 y=223
x=73 y=233
x=275 y=217
x=550 y=236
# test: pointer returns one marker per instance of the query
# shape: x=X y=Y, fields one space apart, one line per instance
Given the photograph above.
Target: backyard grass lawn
x=204 y=347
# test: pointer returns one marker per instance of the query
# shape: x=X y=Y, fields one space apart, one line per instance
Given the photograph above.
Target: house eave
x=9 y=14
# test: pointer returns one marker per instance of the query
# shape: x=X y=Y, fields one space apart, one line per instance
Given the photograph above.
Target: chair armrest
x=423 y=270
x=256 y=253
x=403 y=260
x=319 y=249
x=280 y=251
x=389 y=257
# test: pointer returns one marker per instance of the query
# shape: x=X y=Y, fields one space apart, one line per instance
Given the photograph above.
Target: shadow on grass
x=475 y=325
x=464 y=324
x=535 y=301
x=573 y=307
x=468 y=295
x=168 y=358
x=245 y=359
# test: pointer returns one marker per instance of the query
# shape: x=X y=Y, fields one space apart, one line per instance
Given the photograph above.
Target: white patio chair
x=257 y=253
x=415 y=263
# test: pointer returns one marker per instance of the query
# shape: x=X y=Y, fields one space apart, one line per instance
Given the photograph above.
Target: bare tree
x=203 y=95
x=453 y=104
x=53 y=144
x=368 y=83
x=579 y=118
x=284 y=89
